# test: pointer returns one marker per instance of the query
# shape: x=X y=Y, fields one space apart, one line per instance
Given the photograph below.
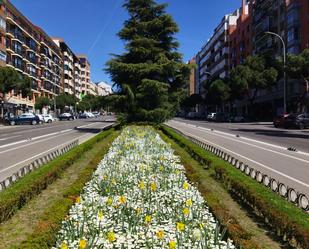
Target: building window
x=2 y=23
x=2 y=56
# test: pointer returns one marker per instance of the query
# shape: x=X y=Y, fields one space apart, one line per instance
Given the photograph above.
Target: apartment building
x=240 y=38
x=86 y=85
x=103 y=88
x=30 y=51
x=68 y=66
x=77 y=78
x=192 y=78
x=213 y=58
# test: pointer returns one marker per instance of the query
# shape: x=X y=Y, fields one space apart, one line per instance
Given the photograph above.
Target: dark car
x=26 y=118
x=66 y=116
x=298 y=120
x=279 y=120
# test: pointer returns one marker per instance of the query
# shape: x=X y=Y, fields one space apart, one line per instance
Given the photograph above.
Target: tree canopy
x=253 y=75
x=10 y=80
x=150 y=74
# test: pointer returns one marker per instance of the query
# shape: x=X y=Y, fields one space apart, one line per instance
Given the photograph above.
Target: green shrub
x=45 y=232
x=16 y=196
x=287 y=220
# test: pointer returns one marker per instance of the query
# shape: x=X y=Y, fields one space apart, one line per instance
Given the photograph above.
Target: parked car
x=279 y=120
x=25 y=118
x=96 y=114
x=211 y=116
x=220 y=117
x=298 y=120
x=66 y=116
x=41 y=118
x=48 y=118
x=84 y=115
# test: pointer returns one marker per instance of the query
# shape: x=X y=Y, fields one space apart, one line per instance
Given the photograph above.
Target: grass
x=287 y=220
x=37 y=223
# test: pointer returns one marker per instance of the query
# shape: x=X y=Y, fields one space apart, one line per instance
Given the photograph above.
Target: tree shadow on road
x=274 y=133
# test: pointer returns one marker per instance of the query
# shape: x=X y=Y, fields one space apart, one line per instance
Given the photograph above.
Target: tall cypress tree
x=150 y=74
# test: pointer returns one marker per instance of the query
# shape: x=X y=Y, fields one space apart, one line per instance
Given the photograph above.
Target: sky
x=90 y=26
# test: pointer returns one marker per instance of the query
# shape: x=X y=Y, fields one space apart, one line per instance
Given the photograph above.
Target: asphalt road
x=260 y=150
x=265 y=132
x=20 y=145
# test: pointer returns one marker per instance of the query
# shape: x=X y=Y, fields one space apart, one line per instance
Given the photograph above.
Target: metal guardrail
x=290 y=194
x=36 y=164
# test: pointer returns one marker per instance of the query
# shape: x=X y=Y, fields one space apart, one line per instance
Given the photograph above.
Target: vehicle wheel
x=49 y=121
x=301 y=126
x=12 y=123
x=33 y=122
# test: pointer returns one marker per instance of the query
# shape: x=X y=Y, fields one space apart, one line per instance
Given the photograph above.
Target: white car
x=48 y=118
x=90 y=115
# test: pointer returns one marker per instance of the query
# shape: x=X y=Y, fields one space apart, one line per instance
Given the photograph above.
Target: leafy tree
x=298 y=68
x=150 y=75
x=219 y=92
x=41 y=102
x=64 y=100
x=254 y=75
x=10 y=80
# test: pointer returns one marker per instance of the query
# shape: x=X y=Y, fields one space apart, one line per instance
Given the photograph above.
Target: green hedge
x=287 y=220
x=196 y=173
x=44 y=234
x=17 y=195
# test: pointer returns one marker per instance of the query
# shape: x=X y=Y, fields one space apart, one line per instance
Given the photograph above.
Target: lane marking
x=34 y=138
x=59 y=146
x=253 y=145
x=3 y=139
x=235 y=153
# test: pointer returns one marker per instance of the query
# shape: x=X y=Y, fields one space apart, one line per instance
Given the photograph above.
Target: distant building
x=192 y=79
x=104 y=89
x=86 y=85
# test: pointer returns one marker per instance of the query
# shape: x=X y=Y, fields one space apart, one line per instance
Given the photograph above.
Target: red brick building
x=240 y=37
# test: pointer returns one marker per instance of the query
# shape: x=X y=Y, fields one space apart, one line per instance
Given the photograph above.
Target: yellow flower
x=141 y=185
x=161 y=168
x=104 y=177
x=148 y=219
x=185 y=185
x=109 y=201
x=100 y=215
x=114 y=181
x=186 y=211
x=78 y=199
x=180 y=226
x=153 y=186
x=201 y=225
x=189 y=202
x=172 y=244
x=111 y=237
x=122 y=199
x=64 y=246
x=138 y=210
x=160 y=234
x=82 y=244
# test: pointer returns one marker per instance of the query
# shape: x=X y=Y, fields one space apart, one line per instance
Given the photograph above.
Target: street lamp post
x=284 y=67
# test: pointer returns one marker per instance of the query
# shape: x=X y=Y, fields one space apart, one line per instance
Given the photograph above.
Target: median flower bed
x=139 y=197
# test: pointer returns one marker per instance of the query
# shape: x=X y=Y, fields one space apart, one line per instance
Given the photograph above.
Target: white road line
x=235 y=153
x=34 y=138
x=44 y=152
x=216 y=133
x=32 y=143
x=3 y=139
